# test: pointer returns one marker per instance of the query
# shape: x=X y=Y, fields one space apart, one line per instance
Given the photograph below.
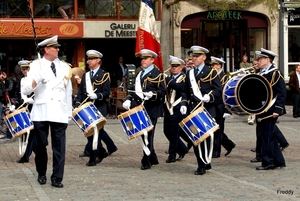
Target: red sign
x=19 y=29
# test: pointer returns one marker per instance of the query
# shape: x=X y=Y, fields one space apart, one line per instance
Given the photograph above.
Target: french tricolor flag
x=147 y=36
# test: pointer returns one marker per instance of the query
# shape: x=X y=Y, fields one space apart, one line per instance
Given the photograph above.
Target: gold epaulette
x=276 y=76
x=104 y=79
x=209 y=76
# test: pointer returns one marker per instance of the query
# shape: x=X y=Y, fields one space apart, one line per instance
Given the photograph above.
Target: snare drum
x=18 y=122
x=198 y=125
x=247 y=94
x=135 y=122
x=86 y=117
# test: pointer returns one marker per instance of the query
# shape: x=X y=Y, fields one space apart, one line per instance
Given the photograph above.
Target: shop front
x=227 y=34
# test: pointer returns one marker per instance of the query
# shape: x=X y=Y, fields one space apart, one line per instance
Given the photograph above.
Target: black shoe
x=99 y=159
x=256 y=160
x=200 y=171
x=253 y=150
x=145 y=167
x=229 y=150
x=21 y=160
x=110 y=152
x=284 y=147
x=42 y=179
x=281 y=166
x=208 y=166
x=90 y=163
x=295 y=116
x=84 y=155
x=57 y=184
x=268 y=167
x=170 y=160
x=180 y=157
x=155 y=163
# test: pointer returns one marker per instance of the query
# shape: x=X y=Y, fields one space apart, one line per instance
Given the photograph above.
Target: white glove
x=126 y=104
x=148 y=95
x=225 y=115
x=92 y=96
x=40 y=77
x=206 y=98
x=12 y=108
x=28 y=100
x=183 y=110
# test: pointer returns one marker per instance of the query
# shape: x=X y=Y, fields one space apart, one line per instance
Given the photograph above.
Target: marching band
x=194 y=103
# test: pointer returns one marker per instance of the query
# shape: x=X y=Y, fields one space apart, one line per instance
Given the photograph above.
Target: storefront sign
x=224 y=15
x=121 y=30
x=18 y=29
x=294 y=19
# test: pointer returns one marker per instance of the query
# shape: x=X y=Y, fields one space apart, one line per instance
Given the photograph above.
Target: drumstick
x=260 y=119
x=24 y=102
x=135 y=91
x=200 y=103
x=86 y=99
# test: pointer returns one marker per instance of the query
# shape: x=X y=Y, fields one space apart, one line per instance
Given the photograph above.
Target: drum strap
x=194 y=85
x=23 y=143
x=95 y=137
x=138 y=86
x=207 y=154
x=172 y=99
x=88 y=83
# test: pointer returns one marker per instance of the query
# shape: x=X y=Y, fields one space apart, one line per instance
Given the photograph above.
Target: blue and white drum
x=86 y=117
x=135 y=122
x=247 y=94
x=198 y=125
x=18 y=122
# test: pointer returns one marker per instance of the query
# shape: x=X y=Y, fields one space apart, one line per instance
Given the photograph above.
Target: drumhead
x=254 y=93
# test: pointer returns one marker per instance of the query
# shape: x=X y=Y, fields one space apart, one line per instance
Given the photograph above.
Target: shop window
x=257 y=40
x=130 y=8
x=15 y=8
x=294 y=45
x=100 y=8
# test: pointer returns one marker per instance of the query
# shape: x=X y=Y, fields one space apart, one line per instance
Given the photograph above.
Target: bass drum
x=247 y=94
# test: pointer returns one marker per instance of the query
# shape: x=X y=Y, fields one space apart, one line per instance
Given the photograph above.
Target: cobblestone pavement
x=118 y=177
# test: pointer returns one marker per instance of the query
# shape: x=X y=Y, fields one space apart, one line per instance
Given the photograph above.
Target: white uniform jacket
x=53 y=98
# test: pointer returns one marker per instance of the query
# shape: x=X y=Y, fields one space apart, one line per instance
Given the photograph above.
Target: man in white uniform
x=49 y=78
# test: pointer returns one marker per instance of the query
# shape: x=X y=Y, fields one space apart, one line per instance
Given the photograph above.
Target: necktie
x=53 y=68
x=92 y=73
x=196 y=71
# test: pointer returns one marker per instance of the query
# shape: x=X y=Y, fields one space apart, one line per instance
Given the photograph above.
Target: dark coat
x=100 y=83
x=294 y=83
x=277 y=82
x=152 y=81
x=179 y=85
x=208 y=81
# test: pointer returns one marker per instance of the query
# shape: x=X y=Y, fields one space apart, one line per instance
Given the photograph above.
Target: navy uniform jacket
x=207 y=81
x=101 y=82
x=152 y=81
x=178 y=84
x=219 y=102
x=279 y=89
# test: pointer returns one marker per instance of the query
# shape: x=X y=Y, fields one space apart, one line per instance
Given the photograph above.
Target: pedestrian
x=294 y=85
x=270 y=151
x=220 y=138
x=149 y=90
x=175 y=109
x=203 y=86
x=95 y=87
x=49 y=78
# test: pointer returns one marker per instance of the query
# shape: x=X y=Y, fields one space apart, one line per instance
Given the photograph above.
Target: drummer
x=175 y=108
x=220 y=138
x=24 y=66
x=202 y=84
x=270 y=151
x=149 y=90
x=95 y=85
